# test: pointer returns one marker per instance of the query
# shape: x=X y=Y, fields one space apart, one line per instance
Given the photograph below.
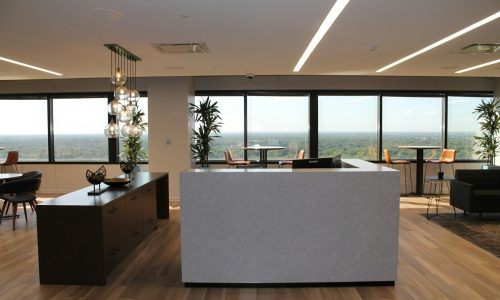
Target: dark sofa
x=476 y=191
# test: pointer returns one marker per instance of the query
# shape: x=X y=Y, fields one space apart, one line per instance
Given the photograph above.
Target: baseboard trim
x=290 y=285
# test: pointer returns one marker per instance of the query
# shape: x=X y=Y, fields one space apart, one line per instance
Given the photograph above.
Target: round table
x=5 y=176
x=263 y=152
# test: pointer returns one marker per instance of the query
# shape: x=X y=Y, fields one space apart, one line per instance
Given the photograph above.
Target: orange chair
x=234 y=163
x=390 y=162
x=447 y=157
x=300 y=155
x=12 y=158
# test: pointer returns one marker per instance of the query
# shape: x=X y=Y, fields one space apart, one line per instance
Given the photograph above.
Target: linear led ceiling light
x=327 y=23
x=478 y=66
x=446 y=39
x=29 y=66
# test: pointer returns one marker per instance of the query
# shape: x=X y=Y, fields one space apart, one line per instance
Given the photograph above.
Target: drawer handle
x=113 y=210
x=115 y=251
x=135 y=233
x=133 y=198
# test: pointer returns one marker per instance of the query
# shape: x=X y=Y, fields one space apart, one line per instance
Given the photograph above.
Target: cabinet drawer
x=113 y=215
x=133 y=220
x=149 y=208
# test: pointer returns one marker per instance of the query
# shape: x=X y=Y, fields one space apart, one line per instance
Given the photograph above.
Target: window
x=231 y=136
x=411 y=121
x=278 y=121
x=463 y=125
x=78 y=129
x=23 y=128
x=347 y=125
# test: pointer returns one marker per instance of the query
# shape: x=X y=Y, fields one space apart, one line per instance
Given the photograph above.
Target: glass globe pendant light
x=132 y=108
x=124 y=104
x=114 y=107
x=122 y=93
x=118 y=78
x=126 y=129
x=125 y=115
x=135 y=131
x=112 y=130
x=134 y=96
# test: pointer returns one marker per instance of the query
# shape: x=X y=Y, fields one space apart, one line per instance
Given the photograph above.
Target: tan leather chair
x=390 y=162
x=234 y=163
x=300 y=155
x=12 y=158
x=447 y=157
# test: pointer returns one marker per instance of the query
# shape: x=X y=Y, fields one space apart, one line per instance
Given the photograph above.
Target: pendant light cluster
x=123 y=108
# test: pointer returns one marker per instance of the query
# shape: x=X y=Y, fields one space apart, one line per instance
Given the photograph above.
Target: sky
x=84 y=116
x=346 y=113
x=265 y=114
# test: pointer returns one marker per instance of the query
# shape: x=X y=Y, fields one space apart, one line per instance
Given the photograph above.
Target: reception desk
x=290 y=226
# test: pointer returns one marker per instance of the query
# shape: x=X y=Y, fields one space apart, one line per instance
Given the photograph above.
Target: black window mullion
x=50 y=121
x=313 y=125
x=245 y=125
x=445 y=122
x=379 y=128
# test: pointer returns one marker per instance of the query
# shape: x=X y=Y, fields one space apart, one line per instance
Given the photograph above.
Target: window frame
x=313 y=110
x=112 y=143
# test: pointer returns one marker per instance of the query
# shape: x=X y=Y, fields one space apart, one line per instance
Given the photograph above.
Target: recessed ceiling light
x=478 y=66
x=29 y=66
x=442 y=41
x=327 y=23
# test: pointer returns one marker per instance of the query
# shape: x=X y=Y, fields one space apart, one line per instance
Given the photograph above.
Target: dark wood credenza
x=82 y=238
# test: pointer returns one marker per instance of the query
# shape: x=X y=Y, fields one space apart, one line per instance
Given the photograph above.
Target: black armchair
x=17 y=192
x=476 y=191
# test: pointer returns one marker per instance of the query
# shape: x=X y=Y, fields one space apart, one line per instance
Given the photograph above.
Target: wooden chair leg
x=3 y=210
x=14 y=212
x=8 y=206
x=25 y=214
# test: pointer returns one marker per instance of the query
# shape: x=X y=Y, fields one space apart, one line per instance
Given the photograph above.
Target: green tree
x=208 y=123
x=489 y=120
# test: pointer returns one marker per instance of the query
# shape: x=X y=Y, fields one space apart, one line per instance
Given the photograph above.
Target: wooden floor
x=433 y=264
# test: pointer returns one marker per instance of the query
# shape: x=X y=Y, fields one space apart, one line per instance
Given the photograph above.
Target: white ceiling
x=265 y=37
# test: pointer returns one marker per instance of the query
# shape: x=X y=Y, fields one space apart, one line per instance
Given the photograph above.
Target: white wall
x=169 y=141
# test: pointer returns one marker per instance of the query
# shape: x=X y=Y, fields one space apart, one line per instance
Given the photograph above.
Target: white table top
x=4 y=176
x=418 y=147
x=259 y=147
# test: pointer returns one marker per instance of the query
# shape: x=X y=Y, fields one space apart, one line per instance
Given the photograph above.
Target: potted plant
x=207 y=120
x=132 y=151
x=488 y=116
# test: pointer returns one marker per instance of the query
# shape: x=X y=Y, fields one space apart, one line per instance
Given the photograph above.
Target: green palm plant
x=488 y=115
x=207 y=120
x=132 y=151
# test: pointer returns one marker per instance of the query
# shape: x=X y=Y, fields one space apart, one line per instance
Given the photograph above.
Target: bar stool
x=390 y=162
x=447 y=157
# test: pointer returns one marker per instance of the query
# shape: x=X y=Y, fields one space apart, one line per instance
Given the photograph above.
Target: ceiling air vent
x=181 y=48
x=480 y=49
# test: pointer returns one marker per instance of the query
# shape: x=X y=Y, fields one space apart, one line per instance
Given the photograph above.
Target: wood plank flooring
x=433 y=264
